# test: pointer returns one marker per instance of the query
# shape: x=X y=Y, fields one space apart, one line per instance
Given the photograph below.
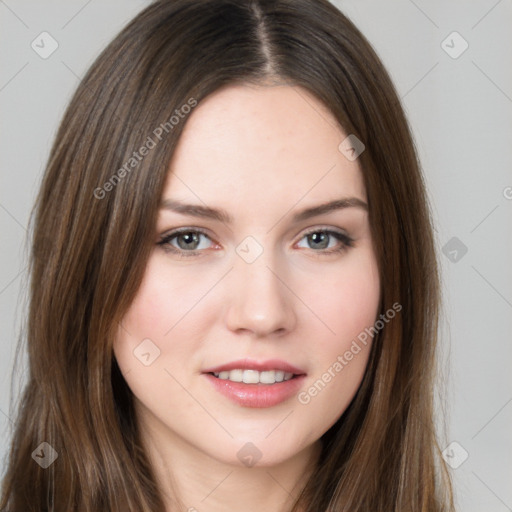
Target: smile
x=254 y=376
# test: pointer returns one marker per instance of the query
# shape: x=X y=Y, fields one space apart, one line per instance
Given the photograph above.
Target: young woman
x=234 y=291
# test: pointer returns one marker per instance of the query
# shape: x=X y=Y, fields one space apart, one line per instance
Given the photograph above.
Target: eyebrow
x=197 y=210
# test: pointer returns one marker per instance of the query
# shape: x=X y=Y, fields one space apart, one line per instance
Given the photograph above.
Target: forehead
x=249 y=142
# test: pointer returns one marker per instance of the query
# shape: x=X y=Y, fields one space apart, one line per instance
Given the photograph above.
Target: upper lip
x=261 y=366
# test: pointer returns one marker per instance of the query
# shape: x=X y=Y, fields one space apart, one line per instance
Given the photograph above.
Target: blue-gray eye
x=186 y=240
x=325 y=239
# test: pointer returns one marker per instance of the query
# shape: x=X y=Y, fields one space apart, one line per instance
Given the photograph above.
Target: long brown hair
x=93 y=229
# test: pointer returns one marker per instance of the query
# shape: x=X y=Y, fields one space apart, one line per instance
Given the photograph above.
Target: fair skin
x=262 y=154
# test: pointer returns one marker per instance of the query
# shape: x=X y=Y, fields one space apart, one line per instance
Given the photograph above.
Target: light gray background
x=460 y=110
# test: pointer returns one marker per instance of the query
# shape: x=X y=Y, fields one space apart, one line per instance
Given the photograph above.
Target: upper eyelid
x=326 y=229
x=187 y=229
x=178 y=231
x=343 y=236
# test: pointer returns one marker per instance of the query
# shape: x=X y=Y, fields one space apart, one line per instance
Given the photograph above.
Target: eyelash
x=346 y=241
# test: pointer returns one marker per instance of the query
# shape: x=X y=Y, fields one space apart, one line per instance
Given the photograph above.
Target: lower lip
x=257 y=395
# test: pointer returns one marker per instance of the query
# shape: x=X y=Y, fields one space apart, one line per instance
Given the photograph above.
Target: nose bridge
x=259 y=301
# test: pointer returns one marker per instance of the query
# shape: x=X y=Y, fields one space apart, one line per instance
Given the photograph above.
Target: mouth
x=250 y=371
x=250 y=383
x=267 y=377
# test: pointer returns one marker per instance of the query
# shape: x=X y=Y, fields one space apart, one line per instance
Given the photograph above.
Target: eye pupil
x=319 y=240
x=188 y=238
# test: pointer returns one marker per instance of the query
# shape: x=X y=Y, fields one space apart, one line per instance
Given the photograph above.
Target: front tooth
x=254 y=376
x=236 y=375
x=251 y=376
x=279 y=375
x=268 y=377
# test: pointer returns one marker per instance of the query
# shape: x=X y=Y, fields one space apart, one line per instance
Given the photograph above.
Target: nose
x=259 y=300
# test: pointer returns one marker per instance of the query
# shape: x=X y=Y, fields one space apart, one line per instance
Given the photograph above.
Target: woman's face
x=260 y=278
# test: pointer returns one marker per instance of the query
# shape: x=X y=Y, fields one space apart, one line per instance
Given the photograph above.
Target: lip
x=261 y=366
x=256 y=395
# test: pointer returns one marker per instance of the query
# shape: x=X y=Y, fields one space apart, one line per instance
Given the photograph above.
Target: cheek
x=158 y=338
x=154 y=314
x=169 y=318
x=166 y=298
x=348 y=306
x=347 y=300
